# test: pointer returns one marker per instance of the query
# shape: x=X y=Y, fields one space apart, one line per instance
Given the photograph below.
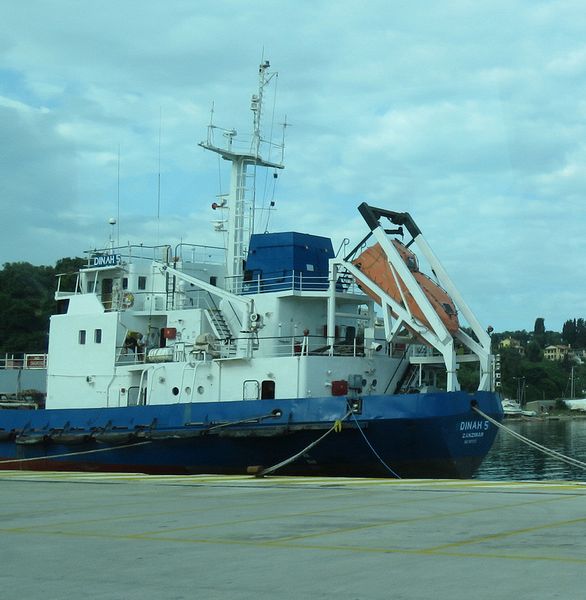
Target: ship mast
x=240 y=200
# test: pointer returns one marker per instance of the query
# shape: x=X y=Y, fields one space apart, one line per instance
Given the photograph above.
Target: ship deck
x=136 y=536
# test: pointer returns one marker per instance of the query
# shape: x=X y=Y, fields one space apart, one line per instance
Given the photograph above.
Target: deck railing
x=268 y=347
x=22 y=360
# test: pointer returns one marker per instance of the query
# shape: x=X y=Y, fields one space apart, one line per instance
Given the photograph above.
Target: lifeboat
x=374 y=263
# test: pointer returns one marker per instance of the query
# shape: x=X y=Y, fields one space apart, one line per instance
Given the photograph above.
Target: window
x=125 y=283
x=142 y=283
x=98 y=336
x=82 y=336
x=62 y=306
x=133 y=397
x=250 y=390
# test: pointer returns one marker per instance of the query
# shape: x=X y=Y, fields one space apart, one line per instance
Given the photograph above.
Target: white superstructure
x=162 y=325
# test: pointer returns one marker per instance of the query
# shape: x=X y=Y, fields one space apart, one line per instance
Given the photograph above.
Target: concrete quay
x=132 y=536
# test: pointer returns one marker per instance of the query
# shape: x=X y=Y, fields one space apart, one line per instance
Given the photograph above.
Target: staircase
x=409 y=381
x=221 y=331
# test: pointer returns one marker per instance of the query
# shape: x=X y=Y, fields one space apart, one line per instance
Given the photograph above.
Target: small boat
x=577 y=404
x=513 y=410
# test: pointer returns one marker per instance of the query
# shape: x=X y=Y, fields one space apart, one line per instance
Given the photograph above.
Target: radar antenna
x=240 y=200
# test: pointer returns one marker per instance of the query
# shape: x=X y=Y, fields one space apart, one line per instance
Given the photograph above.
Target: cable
x=552 y=453
x=51 y=456
x=334 y=427
x=373 y=450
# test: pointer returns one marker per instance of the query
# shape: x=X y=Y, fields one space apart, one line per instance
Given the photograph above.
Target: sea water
x=511 y=459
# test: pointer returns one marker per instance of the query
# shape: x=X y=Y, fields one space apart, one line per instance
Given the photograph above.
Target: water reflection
x=513 y=460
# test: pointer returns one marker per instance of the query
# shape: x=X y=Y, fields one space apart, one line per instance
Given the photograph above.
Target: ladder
x=170 y=285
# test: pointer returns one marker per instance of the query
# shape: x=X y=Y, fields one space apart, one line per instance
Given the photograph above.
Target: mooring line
x=273 y=414
x=51 y=456
x=334 y=427
x=395 y=475
x=548 y=451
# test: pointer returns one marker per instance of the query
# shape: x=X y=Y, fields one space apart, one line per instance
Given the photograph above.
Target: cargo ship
x=268 y=354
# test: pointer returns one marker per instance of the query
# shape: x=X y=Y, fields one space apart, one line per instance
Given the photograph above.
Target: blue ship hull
x=418 y=435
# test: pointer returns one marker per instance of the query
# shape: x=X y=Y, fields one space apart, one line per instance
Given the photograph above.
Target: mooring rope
x=373 y=450
x=51 y=456
x=335 y=427
x=548 y=451
x=273 y=414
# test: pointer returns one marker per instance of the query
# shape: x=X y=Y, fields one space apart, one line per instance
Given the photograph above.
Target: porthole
x=175 y=391
x=200 y=389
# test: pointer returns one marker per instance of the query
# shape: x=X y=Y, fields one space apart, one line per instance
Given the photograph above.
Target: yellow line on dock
x=328 y=548
x=350 y=482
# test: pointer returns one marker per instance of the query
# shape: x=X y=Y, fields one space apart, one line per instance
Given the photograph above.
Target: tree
x=539 y=328
x=27 y=297
x=580 y=341
x=533 y=352
x=539 y=332
x=569 y=332
x=68 y=268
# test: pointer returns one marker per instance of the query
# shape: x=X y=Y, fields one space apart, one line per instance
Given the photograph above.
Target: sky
x=470 y=115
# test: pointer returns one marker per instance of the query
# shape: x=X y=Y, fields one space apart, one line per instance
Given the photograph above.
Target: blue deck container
x=287 y=260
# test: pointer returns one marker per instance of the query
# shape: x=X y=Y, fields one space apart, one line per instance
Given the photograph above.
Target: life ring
x=128 y=300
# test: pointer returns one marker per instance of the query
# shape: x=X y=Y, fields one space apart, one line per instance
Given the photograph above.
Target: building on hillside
x=512 y=344
x=577 y=355
x=557 y=352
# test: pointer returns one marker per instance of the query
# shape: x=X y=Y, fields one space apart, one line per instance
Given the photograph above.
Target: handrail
x=292 y=281
x=392 y=377
x=179 y=248
x=23 y=360
x=270 y=346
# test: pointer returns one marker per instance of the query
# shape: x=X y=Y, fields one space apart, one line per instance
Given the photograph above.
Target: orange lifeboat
x=374 y=264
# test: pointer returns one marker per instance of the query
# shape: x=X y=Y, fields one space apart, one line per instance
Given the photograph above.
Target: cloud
x=34 y=183
x=469 y=116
